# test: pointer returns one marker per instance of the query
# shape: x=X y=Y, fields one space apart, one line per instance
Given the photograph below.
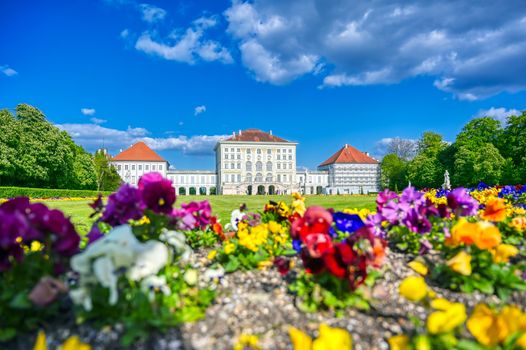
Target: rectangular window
x=160 y=167
x=153 y=167
x=133 y=167
x=146 y=167
x=119 y=167
x=226 y=156
x=269 y=151
x=126 y=167
x=140 y=167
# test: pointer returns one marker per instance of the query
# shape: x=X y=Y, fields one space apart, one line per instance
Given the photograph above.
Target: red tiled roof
x=139 y=151
x=255 y=135
x=349 y=154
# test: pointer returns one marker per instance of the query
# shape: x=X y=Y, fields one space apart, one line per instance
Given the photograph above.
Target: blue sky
x=182 y=74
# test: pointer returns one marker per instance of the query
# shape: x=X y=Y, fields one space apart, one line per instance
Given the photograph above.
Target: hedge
x=11 y=192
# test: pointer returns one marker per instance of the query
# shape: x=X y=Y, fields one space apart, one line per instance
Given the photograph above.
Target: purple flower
x=347 y=222
x=416 y=221
x=462 y=203
x=157 y=193
x=374 y=224
x=94 y=234
x=296 y=245
x=384 y=197
x=412 y=196
x=425 y=247
x=123 y=205
x=394 y=212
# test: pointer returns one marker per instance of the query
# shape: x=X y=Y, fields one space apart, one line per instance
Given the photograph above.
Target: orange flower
x=463 y=232
x=518 y=223
x=483 y=234
x=495 y=210
x=489 y=236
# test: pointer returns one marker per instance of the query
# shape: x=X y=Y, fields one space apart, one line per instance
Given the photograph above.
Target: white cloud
x=199 y=109
x=93 y=136
x=151 y=13
x=185 y=46
x=470 y=51
x=88 y=111
x=98 y=120
x=500 y=114
x=125 y=33
x=8 y=71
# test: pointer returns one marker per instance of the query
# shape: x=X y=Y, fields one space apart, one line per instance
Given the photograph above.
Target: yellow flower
x=461 y=263
x=422 y=343
x=329 y=339
x=521 y=342
x=40 y=344
x=518 y=223
x=283 y=209
x=332 y=339
x=447 y=317
x=36 y=246
x=212 y=255
x=483 y=325
x=399 y=342
x=247 y=341
x=418 y=267
x=264 y=264
x=299 y=339
x=413 y=288
x=274 y=227
x=298 y=206
x=503 y=253
x=229 y=248
x=72 y=343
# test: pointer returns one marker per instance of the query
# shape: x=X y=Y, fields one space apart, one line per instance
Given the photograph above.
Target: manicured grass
x=222 y=206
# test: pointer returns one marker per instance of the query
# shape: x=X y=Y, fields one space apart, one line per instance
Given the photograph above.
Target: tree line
x=35 y=153
x=485 y=150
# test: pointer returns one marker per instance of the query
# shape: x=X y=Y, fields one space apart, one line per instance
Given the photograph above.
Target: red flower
x=318 y=244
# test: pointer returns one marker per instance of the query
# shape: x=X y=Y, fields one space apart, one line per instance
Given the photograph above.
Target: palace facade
x=256 y=162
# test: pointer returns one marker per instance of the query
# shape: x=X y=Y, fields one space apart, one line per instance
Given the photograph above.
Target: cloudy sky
x=183 y=74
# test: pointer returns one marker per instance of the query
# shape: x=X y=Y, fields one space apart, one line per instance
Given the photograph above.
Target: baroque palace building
x=256 y=162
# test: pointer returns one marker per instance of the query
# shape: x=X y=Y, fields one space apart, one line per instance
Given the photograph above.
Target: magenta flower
x=201 y=211
x=384 y=197
x=157 y=193
x=123 y=205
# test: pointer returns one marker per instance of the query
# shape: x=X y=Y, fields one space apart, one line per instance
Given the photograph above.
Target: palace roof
x=141 y=152
x=255 y=135
x=348 y=154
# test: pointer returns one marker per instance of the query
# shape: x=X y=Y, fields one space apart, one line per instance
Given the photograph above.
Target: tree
x=106 y=176
x=9 y=143
x=480 y=131
x=475 y=165
x=394 y=172
x=403 y=148
x=426 y=170
x=513 y=145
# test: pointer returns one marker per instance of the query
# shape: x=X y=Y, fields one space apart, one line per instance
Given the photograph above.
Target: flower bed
x=426 y=270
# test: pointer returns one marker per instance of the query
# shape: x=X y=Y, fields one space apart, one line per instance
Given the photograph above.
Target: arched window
x=259 y=166
x=248 y=178
x=269 y=166
x=249 y=166
x=269 y=177
x=259 y=177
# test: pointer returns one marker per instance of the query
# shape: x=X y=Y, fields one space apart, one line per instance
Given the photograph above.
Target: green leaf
x=20 y=301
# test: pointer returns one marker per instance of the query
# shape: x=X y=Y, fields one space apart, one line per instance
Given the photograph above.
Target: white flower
x=118 y=250
x=191 y=277
x=152 y=284
x=151 y=258
x=177 y=240
x=235 y=217
x=211 y=274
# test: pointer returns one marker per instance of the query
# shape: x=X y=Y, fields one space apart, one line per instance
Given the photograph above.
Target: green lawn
x=222 y=206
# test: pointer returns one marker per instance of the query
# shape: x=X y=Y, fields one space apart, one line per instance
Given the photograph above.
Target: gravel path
x=258 y=302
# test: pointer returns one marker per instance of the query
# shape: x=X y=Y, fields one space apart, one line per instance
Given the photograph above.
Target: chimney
x=239 y=132
x=270 y=132
x=346 y=145
x=234 y=133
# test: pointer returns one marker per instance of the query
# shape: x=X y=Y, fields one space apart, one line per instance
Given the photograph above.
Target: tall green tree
x=426 y=170
x=106 y=175
x=513 y=146
x=394 y=171
x=9 y=143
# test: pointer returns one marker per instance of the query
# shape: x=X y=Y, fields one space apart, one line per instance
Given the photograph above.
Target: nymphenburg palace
x=256 y=162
